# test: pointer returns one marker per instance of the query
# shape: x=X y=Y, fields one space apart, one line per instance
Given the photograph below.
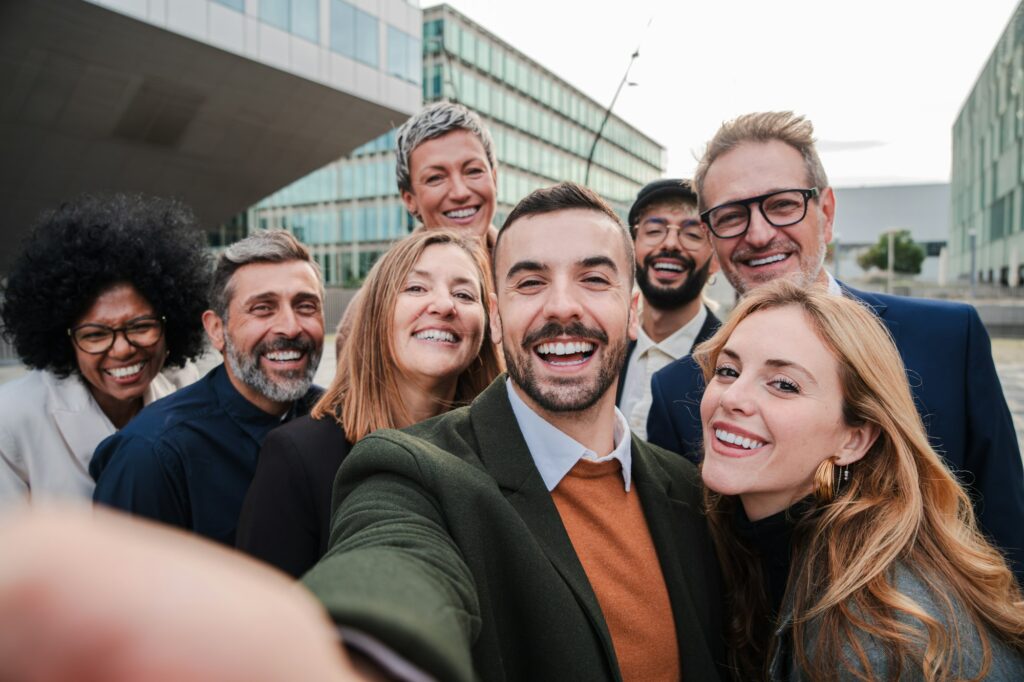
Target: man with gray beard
x=188 y=460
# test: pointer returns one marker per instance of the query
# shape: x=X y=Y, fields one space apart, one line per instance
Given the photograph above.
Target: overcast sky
x=883 y=81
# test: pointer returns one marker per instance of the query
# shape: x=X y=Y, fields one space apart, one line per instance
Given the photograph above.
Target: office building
x=218 y=102
x=543 y=128
x=987 y=182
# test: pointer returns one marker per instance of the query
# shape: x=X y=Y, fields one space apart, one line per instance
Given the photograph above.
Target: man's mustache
x=688 y=263
x=553 y=330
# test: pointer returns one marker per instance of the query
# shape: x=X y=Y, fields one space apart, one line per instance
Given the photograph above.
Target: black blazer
x=286 y=515
x=707 y=330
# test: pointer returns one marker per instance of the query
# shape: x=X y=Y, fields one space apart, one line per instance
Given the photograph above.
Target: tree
x=908 y=254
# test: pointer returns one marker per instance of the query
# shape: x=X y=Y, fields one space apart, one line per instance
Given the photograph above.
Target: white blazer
x=49 y=428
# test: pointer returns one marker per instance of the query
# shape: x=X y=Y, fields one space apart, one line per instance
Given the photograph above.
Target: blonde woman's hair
x=901 y=505
x=364 y=395
x=784 y=126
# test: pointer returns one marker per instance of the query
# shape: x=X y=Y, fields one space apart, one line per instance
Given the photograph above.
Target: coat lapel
x=503 y=451
x=707 y=330
x=80 y=421
x=677 y=537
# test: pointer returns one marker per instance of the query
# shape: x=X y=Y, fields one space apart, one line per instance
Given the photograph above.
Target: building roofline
x=445 y=7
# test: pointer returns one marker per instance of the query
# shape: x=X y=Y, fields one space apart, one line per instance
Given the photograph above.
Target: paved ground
x=1009 y=357
x=1008 y=354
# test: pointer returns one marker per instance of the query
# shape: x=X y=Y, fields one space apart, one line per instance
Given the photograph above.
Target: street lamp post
x=607 y=115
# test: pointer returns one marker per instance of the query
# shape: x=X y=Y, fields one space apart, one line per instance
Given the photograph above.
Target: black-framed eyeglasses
x=94 y=339
x=781 y=209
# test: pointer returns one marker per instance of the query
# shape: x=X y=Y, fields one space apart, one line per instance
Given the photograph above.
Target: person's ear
x=633 y=323
x=495 y=318
x=411 y=205
x=857 y=442
x=214 y=327
x=827 y=202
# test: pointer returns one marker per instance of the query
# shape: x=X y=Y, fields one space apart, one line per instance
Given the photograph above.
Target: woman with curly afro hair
x=106 y=292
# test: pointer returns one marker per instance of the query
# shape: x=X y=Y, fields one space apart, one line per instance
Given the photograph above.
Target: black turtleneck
x=772 y=539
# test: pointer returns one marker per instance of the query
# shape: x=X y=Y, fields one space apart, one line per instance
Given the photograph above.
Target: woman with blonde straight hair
x=849 y=550
x=419 y=346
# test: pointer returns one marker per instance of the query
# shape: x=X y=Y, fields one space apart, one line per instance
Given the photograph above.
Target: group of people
x=542 y=456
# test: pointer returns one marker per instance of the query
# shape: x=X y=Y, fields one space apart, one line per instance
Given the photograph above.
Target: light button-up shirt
x=647 y=358
x=555 y=453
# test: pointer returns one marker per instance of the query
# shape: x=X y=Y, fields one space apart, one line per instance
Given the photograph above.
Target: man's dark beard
x=580 y=397
x=668 y=298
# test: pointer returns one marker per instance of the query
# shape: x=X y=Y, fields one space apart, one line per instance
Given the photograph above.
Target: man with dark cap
x=674 y=259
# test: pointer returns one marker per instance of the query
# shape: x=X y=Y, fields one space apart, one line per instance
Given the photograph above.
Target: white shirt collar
x=679 y=343
x=833 y=285
x=555 y=454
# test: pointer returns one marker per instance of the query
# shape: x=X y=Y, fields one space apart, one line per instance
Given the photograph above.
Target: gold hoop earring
x=825 y=481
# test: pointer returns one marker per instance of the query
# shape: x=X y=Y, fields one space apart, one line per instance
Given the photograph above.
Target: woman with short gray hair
x=446 y=170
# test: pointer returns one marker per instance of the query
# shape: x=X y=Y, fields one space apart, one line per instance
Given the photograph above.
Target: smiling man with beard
x=529 y=536
x=674 y=259
x=188 y=460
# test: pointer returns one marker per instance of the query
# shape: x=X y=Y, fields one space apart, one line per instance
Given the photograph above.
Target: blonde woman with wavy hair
x=418 y=347
x=848 y=549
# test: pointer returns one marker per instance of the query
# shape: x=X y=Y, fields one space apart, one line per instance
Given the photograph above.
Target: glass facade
x=354 y=33
x=987 y=181
x=350 y=211
x=298 y=17
x=237 y=5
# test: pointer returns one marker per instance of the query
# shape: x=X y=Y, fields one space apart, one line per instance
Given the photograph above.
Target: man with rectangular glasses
x=766 y=200
x=673 y=262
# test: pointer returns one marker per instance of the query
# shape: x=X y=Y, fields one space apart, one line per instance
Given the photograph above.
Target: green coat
x=447 y=547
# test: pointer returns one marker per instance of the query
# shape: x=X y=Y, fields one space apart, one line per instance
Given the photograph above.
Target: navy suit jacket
x=710 y=326
x=948 y=358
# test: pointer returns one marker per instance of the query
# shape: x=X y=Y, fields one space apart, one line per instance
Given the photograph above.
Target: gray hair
x=270 y=246
x=784 y=126
x=434 y=121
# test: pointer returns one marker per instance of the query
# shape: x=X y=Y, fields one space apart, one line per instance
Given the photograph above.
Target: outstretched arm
x=104 y=597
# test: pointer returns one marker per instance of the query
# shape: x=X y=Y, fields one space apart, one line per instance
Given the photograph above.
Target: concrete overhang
x=94 y=100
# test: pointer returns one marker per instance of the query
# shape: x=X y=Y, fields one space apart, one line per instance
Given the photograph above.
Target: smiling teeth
x=769 y=259
x=745 y=443
x=461 y=213
x=284 y=355
x=122 y=372
x=565 y=348
x=675 y=267
x=435 y=335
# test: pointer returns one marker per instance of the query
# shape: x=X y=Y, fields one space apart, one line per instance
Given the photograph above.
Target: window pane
x=305 y=17
x=275 y=13
x=397 y=59
x=238 y=5
x=367 y=41
x=414 y=53
x=343 y=28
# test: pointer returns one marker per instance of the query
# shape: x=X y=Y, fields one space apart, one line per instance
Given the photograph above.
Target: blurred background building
x=350 y=212
x=864 y=214
x=218 y=102
x=987 y=182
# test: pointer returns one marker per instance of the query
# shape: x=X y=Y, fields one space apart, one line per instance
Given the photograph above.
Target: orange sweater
x=610 y=535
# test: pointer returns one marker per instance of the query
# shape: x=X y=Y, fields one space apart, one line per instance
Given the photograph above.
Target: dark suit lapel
x=677 y=538
x=877 y=305
x=707 y=330
x=504 y=453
